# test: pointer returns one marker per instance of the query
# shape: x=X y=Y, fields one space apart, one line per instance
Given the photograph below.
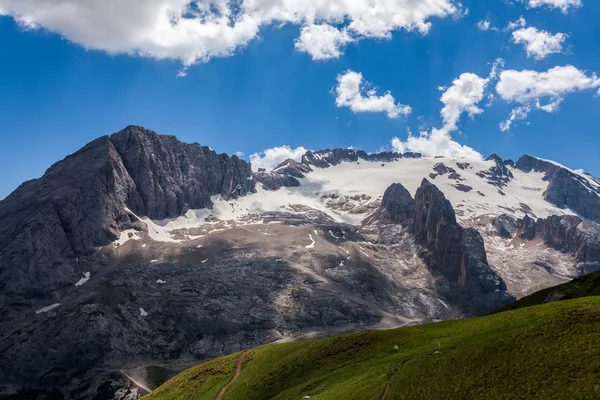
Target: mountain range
x=139 y=255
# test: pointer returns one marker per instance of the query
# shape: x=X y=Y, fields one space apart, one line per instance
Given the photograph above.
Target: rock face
x=327 y=158
x=498 y=175
x=457 y=253
x=568 y=234
x=565 y=188
x=172 y=177
x=51 y=227
x=275 y=180
x=397 y=203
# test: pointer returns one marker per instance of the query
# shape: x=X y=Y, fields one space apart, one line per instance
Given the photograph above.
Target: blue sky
x=62 y=86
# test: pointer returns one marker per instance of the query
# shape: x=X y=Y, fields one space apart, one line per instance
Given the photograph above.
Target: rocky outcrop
x=52 y=226
x=565 y=189
x=397 y=204
x=498 y=175
x=275 y=180
x=568 y=234
x=506 y=226
x=457 y=255
x=171 y=176
x=326 y=158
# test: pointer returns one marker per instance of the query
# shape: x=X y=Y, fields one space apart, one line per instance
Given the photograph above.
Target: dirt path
x=238 y=371
x=387 y=389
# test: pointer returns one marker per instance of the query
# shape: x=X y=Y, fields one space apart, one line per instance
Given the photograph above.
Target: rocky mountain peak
x=566 y=189
x=432 y=211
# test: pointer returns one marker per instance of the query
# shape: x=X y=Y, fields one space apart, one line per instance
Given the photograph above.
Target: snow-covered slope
x=350 y=190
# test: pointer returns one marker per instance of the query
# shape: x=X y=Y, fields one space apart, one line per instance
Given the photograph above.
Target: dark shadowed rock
x=275 y=180
x=498 y=175
x=293 y=168
x=506 y=226
x=397 y=203
x=171 y=176
x=456 y=253
x=50 y=227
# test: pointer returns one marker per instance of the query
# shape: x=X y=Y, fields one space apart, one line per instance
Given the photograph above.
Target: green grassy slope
x=587 y=285
x=551 y=351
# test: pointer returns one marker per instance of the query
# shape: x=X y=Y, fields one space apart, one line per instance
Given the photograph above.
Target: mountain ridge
x=142 y=251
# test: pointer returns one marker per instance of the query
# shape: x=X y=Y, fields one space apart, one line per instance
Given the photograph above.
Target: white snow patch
x=153 y=261
x=312 y=245
x=127 y=235
x=47 y=308
x=160 y=281
x=204 y=261
x=143 y=312
x=86 y=277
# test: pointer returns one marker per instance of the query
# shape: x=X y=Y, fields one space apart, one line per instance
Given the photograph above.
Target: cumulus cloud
x=539 y=44
x=563 y=5
x=322 y=42
x=544 y=91
x=462 y=97
x=352 y=92
x=270 y=158
x=198 y=30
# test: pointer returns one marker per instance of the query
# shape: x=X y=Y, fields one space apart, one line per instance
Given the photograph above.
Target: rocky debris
x=509 y=163
x=498 y=175
x=275 y=180
x=463 y=165
x=356 y=204
x=565 y=188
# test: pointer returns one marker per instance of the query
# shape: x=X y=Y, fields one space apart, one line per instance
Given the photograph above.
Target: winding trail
x=387 y=389
x=238 y=371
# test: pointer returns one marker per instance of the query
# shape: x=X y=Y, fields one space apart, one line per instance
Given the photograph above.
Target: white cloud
x=322 y=42
x=463 y=96
x=563 y=5
x=520 y=23
x=466 y=92
x=239 y=154
x=197 y=30
x=352 y=92
x=539 y=44
x=436 y=143
x=270 y=158
x=531 y=88
x=517 y=114
x=486 y=25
